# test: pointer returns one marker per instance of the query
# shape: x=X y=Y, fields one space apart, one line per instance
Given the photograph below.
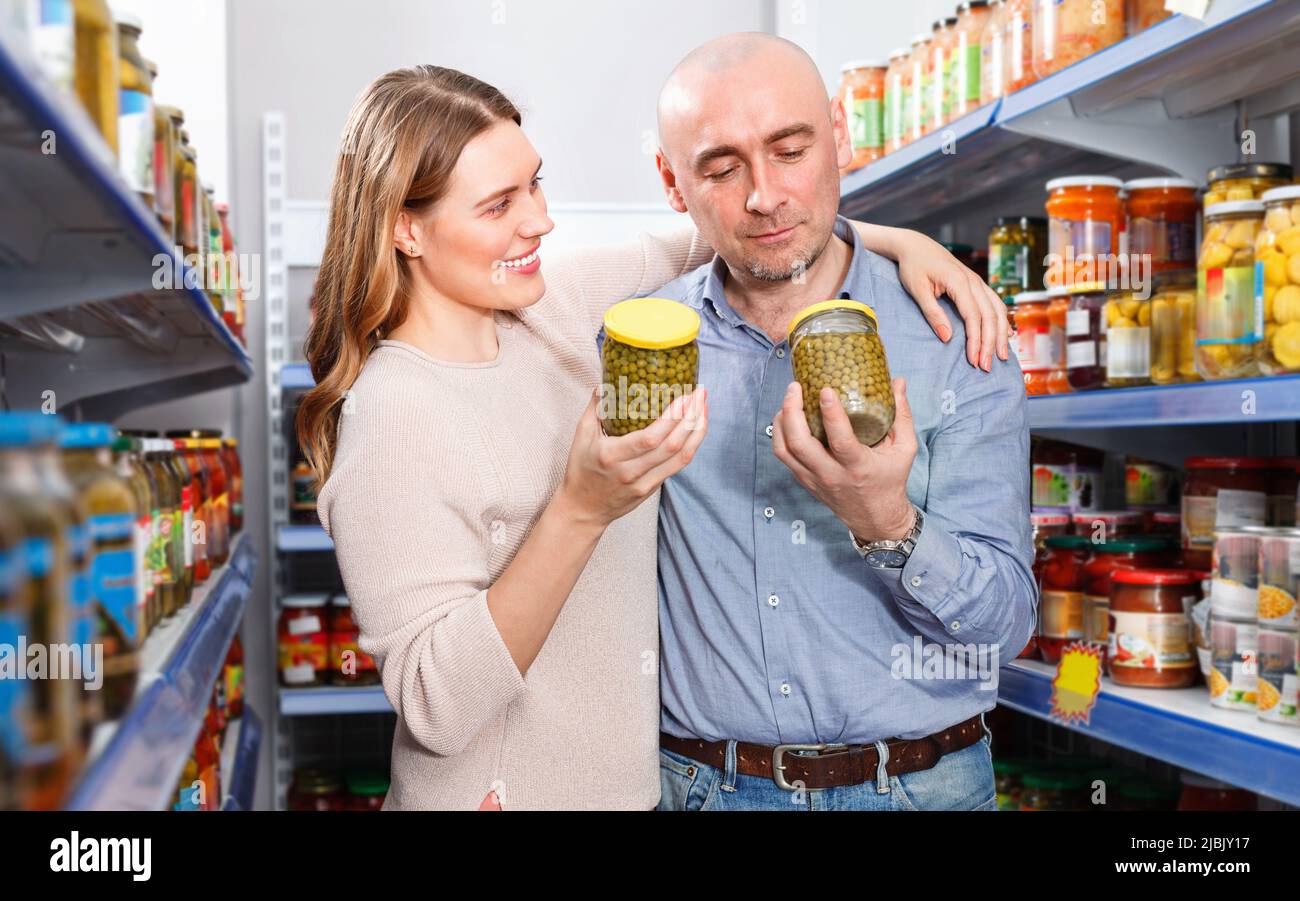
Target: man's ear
x=674 y=194
x=840 y=129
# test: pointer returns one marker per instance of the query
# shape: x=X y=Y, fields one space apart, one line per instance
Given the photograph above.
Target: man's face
x=754 y=157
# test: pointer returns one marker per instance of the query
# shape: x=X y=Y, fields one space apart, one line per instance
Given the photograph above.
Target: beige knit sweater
x=441 y=471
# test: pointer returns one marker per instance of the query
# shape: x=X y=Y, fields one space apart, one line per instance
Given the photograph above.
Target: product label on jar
x=54 y=41
x=1164 y=240
x=1151 y=641
x=38 y=555
x=113 y=574
x=135 y=140
x=1080 y=354
x=1078 y=323
x=162 y=547
x=1234 y=671
x=9 y=573
x=301 y=659
x=1062 y=614
x=1146 y=485
x=1074 y=489
x=1230 y=509
x=1096 y=621
x=1128 y=353
x=1231 y=598
x=866 y=124
x=142 y=537
x=1230 y=314
x=81 y=615
x=1088 y=238
x=15 y=699
x=305 y=625
x=1276 y=688
x=1009 y=265
x=970 y=74
x=1035 y=350
x=1276 y=700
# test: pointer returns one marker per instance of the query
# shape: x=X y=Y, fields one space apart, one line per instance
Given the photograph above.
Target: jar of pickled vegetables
x=164 y=171
x=1244 y=181
x=1085 y=219
x=1128 y=340
x=135 y=118
x=1039 y=354
x=916 y=112
x=1066 y=31
x=1145 y=13
x=1277 y=280
x=1017 y=245
x=862 y=90
x=940 y=71
x=1018 y=46
x=1229 y=322
x=993 y=62
x=1085 y=336
x=650 y=359
x=96 y=66
x=1161 y=221
x=896 y=99
x=964 y=82
x=1173 y=328
x=836 y=345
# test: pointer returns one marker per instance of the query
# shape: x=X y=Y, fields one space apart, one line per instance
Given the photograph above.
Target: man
x=812 y=596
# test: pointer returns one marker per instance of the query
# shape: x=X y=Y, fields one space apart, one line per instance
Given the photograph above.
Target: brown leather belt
x=833 y=765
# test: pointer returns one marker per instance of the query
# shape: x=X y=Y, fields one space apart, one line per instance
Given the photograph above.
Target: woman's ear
x=405 y=238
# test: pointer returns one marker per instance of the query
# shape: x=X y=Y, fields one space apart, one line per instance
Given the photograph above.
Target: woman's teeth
x=519 y=263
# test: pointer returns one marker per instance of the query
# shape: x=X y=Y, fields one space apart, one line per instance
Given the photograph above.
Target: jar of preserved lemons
x=649 y=358
x=135 y=120
x=97 y=65
x=1229 y=323
x=1244 y=181
x=1277 y=280
x=836 y=345
x=1173 y=328
x=1128 y=339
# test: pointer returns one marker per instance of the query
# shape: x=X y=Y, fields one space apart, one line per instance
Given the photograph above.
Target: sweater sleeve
x=416 y=568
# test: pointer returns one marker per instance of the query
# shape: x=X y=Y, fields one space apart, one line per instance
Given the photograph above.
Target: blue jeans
x=962 y=780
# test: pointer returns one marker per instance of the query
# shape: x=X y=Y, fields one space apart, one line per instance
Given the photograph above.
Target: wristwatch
x=891 y=554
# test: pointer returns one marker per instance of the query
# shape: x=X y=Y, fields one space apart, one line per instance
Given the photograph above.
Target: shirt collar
x=714 y=297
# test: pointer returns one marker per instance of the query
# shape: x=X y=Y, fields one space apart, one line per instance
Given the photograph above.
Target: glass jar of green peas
x=649 y=358
x=836 y=344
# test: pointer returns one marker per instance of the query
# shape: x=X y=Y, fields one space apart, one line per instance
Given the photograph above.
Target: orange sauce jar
x=1058 y=310
x=1161 y=218
x=862 y=90
x=1085 y=219
x=1039 y=356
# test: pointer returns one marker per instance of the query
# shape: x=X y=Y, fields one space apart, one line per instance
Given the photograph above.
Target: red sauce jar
x=1061 y=592
x=1107 y=558
x=349 y=665
x=317 y=791
x=1105 y=525
x=366 y=791
x=1150 y=626
x=1221 y=493
x=303 y=642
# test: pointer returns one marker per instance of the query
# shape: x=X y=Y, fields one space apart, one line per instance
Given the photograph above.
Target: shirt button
x=785 y=689
x=769 y=512
x=780 y=353
x=773 y=600
x=916 y=581
x=956 y=624
x=768 y=430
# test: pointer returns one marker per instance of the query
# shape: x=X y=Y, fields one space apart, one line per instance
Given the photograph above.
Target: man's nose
x=766 y=195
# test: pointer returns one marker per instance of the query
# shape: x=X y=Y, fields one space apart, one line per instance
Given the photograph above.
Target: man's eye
x=719 y=176
x=792 y=155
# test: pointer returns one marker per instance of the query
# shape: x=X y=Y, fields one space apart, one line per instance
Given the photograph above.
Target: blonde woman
x=498 y=549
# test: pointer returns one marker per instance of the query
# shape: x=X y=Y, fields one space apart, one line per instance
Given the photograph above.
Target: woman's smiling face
x=480 y=245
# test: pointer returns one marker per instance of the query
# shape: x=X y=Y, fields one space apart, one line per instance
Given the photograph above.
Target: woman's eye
x=537 y=182
x=500 y=207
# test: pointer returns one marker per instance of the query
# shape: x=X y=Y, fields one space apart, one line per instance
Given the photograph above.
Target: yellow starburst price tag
x=1076 y=684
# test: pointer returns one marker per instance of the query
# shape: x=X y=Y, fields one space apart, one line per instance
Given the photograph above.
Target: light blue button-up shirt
x=774 y=630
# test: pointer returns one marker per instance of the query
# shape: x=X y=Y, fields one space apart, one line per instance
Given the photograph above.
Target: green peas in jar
x=837 y=345
x=649 y=358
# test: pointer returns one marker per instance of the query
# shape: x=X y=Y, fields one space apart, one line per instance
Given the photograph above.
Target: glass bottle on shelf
x=1229 y=316
x=97 y=66
x=135 y=100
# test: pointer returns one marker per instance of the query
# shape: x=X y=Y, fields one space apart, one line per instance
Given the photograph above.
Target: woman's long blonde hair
x=401 y=143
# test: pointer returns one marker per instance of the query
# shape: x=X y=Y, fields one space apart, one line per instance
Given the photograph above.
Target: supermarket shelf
x=1242 y=402
x=142 y=757
x=80 y=254
x=296 y=377
x=302 y=539
x=1179 y=727
x=239 y=761
x=323 y=701
x=1161 y=100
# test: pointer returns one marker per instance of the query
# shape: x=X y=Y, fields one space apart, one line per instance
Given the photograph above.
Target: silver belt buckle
x=778 y=769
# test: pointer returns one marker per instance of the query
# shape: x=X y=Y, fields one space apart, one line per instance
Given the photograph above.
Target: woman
x=498 y=549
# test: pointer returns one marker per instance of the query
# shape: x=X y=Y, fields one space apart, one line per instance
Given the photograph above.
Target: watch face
x=887 y=558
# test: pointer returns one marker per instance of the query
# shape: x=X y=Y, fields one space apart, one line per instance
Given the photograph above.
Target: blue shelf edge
x=1239 y=402
x=161 y=725
x=325 y=701
x=302 y=539
x=243 y=779
x=1238 y=757
x=74 y=138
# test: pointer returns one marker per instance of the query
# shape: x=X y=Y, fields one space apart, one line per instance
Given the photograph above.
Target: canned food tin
x=1279 y=579
x=1235 y=589
x=1234 y=671
x=1276 y=691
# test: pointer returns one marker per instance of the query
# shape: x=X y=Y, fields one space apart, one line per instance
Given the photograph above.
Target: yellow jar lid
x=827 y=305
x=652 y=323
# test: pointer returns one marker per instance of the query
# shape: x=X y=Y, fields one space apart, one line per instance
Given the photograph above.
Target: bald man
x=832 y=619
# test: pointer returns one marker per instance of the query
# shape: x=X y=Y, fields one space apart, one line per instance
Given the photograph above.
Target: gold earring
x=412 y=250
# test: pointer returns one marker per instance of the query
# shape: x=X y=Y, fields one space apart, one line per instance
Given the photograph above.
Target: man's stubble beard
x=804 y=261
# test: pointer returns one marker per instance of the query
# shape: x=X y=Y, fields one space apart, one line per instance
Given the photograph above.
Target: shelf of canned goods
x=97 y=307
x=1158 y=99
x=141 y=757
